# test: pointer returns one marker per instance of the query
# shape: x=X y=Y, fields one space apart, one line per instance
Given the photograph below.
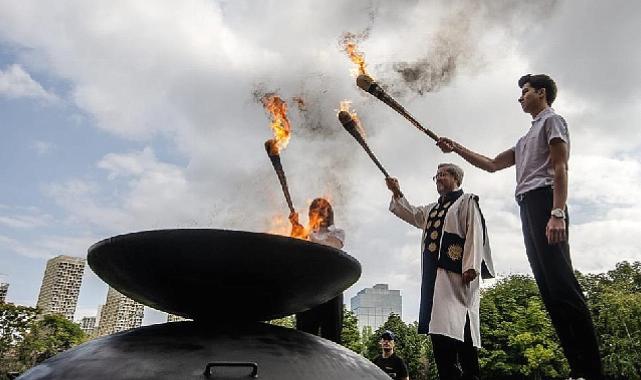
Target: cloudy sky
x=120 y=116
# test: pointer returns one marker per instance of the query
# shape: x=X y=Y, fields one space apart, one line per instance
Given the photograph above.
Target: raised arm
x=502 y=161
x=399 y=206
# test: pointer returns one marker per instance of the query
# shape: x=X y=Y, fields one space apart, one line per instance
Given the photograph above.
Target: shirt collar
x=545 y=111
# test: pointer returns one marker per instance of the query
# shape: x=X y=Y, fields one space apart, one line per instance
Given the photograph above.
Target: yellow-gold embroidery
x=455 y=252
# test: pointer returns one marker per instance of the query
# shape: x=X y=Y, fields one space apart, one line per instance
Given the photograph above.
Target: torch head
x=348 y=122
x=271 y=148
x=365 y=82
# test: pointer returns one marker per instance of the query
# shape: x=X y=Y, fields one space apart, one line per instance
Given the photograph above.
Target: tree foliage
x=49 y=336
x=26 y=340
x=517 y=336
x=15 y=323
x=350 y=336
x=614 y=299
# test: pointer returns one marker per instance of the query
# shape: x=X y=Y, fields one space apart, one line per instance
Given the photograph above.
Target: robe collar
x=451 y=196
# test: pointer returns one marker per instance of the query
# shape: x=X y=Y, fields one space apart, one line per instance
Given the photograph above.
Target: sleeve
x=333 y=238
x=416 y=216
x=473 y=250
x=556 y=128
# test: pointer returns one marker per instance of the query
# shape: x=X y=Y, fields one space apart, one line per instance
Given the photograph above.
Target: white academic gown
x=453 y=299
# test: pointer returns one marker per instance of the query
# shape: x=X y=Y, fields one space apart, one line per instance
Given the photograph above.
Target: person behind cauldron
x=325 y=320
x=388 y=361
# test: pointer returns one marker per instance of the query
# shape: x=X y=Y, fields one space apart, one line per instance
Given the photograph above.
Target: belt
x=521 y=197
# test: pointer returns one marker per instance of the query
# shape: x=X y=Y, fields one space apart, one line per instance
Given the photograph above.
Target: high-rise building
x=119 y=313
x=88 y=324
x=372 y=306
x=4 y=287
x=61 y=286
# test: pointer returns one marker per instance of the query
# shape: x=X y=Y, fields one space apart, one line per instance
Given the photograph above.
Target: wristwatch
x=558 y=213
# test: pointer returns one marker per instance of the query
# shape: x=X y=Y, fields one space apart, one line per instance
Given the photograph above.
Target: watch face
x=558 y=213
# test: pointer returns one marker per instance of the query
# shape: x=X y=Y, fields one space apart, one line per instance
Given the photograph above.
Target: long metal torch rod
x=280 y=173
x=350 y=125
x=366 y=83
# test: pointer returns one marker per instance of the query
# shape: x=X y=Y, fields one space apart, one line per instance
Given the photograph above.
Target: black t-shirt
x=394 y=366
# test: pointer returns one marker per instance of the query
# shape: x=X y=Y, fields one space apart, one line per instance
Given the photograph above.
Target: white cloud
x=17 y=83
x=185 y=72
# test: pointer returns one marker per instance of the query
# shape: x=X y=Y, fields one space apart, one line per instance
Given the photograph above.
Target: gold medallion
x=447 y=204
x=429 y=224
x=432 y=247
x=433 y=214
x=437 y=223
x=455 y=252
x=434 y=235
x=441 y=213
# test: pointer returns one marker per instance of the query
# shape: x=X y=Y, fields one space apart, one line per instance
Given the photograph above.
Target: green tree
x=518 y=339
x=288 y=321
x=349 y=335
x=614 y=299
x=47 y=337
x=366 y=335
x=15 y=322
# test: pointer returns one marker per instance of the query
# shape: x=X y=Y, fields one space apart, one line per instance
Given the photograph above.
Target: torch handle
x=371 y=155
x=378 y=92
x=283 y=185
x=280 y=173
x=350 y=126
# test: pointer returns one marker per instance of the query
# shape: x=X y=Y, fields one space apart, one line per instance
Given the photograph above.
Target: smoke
x=456 y=44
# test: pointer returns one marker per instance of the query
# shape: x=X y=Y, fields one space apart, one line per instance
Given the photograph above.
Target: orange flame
x=351 y=48
x=280 y=123
x=281 y=226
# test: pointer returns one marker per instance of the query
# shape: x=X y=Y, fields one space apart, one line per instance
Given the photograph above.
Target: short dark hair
x=540 y=81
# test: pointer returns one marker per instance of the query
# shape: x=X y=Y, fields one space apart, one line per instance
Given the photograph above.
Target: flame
x=282 y=226
x=280 y=123
x=351 y=48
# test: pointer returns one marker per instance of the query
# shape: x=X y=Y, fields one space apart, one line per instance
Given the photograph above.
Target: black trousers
x=560 y=291
x=454 y=359
x=324 y=320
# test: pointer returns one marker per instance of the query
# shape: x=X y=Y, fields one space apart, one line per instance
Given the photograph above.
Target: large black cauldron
x=227 y=281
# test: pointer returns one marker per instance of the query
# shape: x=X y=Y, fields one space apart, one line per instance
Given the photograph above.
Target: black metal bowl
x=188 y=350
x=210 y=274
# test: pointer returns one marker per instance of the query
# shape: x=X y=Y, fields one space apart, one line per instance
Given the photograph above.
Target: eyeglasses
x=439 y=175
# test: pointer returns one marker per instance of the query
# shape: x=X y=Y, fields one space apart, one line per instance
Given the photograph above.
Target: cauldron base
x=182 y=350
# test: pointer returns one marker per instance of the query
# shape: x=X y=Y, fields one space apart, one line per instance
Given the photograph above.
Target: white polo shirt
x=532 y=152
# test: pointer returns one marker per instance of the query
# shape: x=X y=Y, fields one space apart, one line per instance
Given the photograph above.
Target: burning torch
x=351 y=126
x=274 y=157
x=368 y=84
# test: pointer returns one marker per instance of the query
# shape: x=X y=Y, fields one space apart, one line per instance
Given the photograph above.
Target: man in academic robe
x=455 y=253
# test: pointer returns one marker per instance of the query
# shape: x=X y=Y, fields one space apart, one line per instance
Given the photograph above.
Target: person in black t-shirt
x=388 y=361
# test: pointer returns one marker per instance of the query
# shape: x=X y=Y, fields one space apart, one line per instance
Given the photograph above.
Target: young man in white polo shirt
x=541 y=160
